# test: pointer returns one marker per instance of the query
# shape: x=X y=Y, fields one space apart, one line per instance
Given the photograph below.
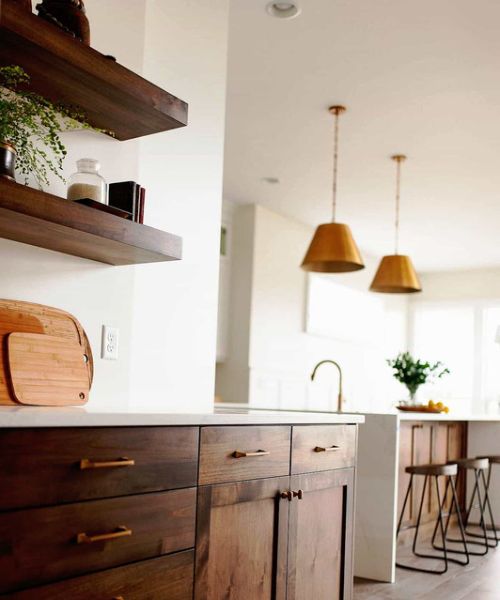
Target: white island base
x=377 y=484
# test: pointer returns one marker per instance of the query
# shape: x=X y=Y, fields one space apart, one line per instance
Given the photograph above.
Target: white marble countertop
x=29 y=416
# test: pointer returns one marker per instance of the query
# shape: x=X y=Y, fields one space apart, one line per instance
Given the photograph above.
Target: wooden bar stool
x=434 y=471
x=479 y=466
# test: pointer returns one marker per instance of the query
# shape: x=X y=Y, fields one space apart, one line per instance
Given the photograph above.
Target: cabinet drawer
x=48 y=544
x=169 y=577
x=323 y=447
x=44 y=466
x=240 y=453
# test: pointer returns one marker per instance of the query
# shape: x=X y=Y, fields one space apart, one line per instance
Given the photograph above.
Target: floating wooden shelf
x=65 y=70
x=47 y=221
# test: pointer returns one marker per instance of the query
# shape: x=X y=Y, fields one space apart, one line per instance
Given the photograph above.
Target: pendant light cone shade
x=332 y=250
x=396 y=275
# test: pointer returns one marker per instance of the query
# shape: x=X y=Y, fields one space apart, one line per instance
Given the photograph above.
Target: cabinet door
x=241 y=545
x=320 y=536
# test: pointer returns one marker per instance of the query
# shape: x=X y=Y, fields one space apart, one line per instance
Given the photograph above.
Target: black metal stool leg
x=410 y=485
x=454 y=505
x=482 y=510
x=466 y=535
x=483 y=536
x=415 y=537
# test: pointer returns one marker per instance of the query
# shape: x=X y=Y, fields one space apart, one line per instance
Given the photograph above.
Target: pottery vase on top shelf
x=69 y=15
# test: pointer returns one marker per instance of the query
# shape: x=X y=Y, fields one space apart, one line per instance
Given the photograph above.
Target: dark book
x=124 y=195
x=142 y=200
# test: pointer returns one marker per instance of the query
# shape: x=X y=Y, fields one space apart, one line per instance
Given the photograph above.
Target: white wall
x=175 y=305
x=166 y=313
x=281 y=353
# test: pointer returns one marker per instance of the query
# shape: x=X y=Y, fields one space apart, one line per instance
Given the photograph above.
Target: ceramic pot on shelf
x=7 y=161
x=68 y=15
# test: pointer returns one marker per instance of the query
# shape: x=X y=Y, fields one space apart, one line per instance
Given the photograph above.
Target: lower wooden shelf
x=40 y=219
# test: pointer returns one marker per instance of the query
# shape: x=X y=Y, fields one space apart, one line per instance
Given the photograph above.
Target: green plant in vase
x=413 y=372
x=29 y=129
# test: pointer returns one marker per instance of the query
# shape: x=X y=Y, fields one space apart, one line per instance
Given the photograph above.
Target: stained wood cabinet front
x=320 y=538
x=242 y=540
x=285 y=538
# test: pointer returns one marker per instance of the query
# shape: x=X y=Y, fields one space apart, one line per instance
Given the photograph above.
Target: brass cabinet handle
x=240 y=454
x=118 y=598
x=288 y=495
x=86 y=463
x=122 y=531
x=329 y=449
x=298 y=494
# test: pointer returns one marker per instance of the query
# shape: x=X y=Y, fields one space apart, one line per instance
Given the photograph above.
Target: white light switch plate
x=109 y=344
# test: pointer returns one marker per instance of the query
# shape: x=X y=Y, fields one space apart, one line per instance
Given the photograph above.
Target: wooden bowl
x=421 y=408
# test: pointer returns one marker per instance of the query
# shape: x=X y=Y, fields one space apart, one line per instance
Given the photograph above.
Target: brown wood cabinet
x=427 y=442
x=242 y=540
x=254 y=512
x=281 y=537
x=320 y=542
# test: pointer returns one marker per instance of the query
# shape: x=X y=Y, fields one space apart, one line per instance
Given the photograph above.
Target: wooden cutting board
x=46 y=370
x=28 y=317
x=12 y=320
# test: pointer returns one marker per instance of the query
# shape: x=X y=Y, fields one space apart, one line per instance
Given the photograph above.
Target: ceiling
x=420 y=78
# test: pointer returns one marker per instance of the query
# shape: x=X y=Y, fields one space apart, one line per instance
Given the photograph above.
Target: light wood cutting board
x=28 y=317
x=12 y=320
x=46 y=370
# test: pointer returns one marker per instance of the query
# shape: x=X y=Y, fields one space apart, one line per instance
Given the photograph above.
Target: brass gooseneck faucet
x=332 y=362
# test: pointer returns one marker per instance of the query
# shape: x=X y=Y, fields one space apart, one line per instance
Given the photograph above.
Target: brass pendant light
x=396 y=274
x=333 y=249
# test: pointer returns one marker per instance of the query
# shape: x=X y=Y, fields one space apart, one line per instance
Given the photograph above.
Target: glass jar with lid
x=87 y=182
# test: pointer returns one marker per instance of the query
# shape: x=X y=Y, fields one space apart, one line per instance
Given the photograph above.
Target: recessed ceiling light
x=283 y=10
x=271 y=180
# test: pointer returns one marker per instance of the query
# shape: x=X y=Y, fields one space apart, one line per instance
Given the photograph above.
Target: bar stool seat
x=495 y=459
x=471 y=463
x=447 y=469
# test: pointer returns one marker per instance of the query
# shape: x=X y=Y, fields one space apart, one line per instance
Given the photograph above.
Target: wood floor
x=480 y=580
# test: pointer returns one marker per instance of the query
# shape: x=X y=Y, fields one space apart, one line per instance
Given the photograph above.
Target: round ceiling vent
x=283 y=10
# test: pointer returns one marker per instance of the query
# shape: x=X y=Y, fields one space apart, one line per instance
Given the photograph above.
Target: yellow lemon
x=431 y=404
x=440 y=405
x=446 y=410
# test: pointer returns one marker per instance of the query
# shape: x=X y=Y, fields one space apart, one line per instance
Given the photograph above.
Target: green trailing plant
x=413 y=372
x=32 y=124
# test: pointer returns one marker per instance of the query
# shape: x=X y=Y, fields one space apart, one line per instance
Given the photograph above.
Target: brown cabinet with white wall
x=254 y=511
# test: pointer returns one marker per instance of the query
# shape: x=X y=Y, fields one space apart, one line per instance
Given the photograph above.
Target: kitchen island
x=230 y=503
x=387 y=444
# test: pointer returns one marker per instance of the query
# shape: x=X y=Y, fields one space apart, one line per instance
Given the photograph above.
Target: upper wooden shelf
x=65 y=70
x=47 y=221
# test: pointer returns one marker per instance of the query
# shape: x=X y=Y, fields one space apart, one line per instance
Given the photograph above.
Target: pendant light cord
x=398 y=192
x=399 y=158
x=335 y=165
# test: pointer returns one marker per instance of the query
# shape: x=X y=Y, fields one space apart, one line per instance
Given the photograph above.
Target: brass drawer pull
x=298 y=494
x=86 y=463
x=330 y=449
x=239 y=454
x=122 y=531
x=287 y=495
x=118 y=598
